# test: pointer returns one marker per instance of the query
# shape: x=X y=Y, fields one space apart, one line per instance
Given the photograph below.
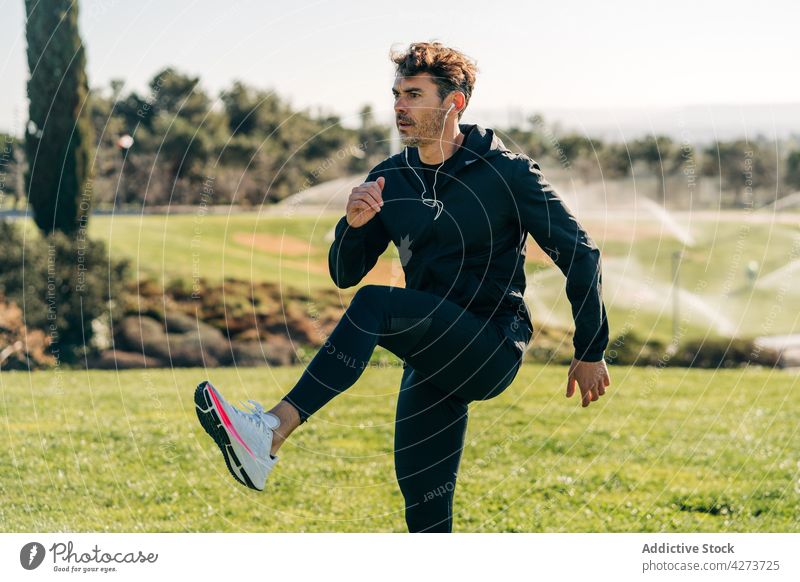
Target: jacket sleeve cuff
x=590 y=356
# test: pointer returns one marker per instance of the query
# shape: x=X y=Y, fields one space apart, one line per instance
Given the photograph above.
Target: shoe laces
x=254 y=413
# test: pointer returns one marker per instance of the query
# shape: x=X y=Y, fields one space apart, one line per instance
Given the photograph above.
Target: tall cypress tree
x=59 y=135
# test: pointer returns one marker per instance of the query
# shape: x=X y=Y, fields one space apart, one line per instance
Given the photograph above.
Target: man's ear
x=460 y=100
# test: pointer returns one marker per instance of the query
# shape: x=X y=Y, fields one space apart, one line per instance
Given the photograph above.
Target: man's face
x=419 y=114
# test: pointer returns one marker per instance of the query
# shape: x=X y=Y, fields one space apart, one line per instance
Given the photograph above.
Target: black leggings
x=451 y=357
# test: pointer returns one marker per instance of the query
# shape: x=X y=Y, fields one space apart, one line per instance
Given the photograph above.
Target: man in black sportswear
x=459 y=207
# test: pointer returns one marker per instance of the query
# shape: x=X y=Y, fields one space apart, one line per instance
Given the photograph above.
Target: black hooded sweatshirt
x=488 y=199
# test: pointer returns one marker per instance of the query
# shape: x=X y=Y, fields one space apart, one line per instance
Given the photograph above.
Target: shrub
x=630 y=349
x=64 y=286
x=723 y=353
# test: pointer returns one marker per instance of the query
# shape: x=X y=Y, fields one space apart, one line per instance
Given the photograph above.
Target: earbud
x=451 y=108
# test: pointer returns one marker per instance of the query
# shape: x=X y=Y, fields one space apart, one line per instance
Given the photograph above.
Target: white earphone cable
x=432 y=202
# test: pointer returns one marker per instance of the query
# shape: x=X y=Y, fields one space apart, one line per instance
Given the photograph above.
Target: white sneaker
x=245 y=438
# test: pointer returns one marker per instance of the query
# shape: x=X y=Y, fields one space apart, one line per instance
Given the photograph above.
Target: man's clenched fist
x=365 y=202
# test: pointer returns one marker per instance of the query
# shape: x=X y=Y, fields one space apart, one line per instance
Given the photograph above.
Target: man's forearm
x=355 y=251
x=584 y=291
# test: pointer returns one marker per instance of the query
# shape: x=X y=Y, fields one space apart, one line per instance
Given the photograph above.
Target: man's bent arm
x=356 y=250
x=556 y=230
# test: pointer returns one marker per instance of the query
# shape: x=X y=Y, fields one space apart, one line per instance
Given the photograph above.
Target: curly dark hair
x=451 y=69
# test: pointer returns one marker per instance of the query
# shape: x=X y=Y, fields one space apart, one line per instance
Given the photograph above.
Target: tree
x=177 y=94
x=135 y=110
x=58 y=138
x=792 y=176
x=242 y=104
x=372 y=137
x=614 y=161
x=741 y=166
x=183 y=129
x=184 y=147
x=659 y=154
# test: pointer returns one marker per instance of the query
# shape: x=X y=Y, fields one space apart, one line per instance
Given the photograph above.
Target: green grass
x=166 y=247
x=665 y=450
x=186 y=246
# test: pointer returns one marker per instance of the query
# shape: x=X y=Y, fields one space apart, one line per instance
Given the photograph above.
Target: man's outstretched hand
x=592 y=379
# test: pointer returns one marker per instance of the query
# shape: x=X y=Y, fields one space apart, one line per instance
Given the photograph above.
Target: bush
x=630 y=349
x=723 y=353
x=64 y=286
x=21 y=348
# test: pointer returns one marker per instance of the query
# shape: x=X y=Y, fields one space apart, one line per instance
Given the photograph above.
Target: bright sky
x=565 y=53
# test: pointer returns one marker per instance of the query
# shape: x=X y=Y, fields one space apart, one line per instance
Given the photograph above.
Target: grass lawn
x=292 y=251
x=670 y=450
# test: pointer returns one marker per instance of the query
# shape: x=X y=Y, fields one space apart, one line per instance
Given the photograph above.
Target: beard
x=428 y=127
